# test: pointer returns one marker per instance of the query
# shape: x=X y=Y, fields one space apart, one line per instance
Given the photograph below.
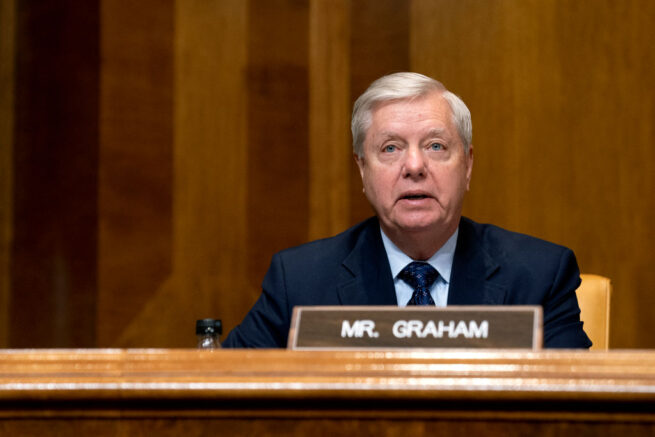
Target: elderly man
x=412 y=144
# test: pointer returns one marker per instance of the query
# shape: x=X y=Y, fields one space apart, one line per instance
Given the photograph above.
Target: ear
x=469 y=166
x=360 y=163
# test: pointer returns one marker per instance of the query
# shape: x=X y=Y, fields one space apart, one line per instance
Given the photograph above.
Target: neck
x=419 y=245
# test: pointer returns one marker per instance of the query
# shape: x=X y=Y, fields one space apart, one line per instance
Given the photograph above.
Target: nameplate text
x=383 y=327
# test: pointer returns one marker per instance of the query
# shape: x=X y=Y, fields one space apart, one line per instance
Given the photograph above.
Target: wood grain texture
x=329 y=118
x=278 y=132
x=219 y=375
x=198 y=427
x=209 y=193
x=168 y=392
x=136 y=160
x=194 y=139
x=563 y=128
x=7 y=41
x=55 y=171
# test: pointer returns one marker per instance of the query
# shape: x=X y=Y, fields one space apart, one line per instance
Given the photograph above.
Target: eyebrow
x=388 y=135
x=434 y=132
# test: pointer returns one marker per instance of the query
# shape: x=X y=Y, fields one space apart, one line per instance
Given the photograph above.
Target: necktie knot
x=420 y=276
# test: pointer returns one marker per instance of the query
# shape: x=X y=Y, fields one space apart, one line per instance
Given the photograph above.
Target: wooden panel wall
x=563 y=103
x=54 y=196
x=7 y=43
x=136 y=176
x=156 y=154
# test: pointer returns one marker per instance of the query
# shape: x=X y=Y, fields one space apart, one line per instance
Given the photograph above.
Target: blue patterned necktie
x=420 y=276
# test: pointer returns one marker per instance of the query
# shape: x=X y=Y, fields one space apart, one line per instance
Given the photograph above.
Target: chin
x=420 y=224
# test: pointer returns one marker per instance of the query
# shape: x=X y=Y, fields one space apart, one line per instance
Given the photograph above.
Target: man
x=412 y=144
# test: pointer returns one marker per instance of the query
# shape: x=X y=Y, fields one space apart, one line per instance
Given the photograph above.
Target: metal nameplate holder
x=389 y=327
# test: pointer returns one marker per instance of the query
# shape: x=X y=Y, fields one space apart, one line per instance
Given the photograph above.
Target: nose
x=414 y=165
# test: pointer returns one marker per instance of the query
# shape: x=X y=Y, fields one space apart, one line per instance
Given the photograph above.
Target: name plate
x=388 y=327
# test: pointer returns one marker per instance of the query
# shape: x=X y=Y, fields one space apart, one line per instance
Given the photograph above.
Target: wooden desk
x=191 y=393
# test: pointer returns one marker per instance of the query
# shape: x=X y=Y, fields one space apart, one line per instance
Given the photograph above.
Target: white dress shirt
x=442 y=261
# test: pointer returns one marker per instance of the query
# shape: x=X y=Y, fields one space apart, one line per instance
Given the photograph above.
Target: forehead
x=431 y=112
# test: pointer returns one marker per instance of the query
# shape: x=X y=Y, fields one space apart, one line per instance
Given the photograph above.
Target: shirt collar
x=442 y=260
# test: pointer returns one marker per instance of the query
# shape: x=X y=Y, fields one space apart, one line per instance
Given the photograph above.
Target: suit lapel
x=473 y=266
x=369 y=279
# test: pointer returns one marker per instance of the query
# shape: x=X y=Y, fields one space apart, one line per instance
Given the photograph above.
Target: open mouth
x=414 y=197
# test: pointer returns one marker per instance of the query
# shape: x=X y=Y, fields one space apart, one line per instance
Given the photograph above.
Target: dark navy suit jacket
x=491 y=266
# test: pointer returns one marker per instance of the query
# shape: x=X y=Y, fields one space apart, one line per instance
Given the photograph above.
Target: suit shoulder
x=503 y=241
x=334 y=248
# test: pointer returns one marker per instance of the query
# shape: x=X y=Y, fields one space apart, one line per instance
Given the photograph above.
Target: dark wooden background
x=155 y=154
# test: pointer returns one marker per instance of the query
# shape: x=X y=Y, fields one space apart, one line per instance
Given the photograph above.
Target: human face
x=414 y=168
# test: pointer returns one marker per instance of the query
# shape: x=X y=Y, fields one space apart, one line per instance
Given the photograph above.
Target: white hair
x=405 y=86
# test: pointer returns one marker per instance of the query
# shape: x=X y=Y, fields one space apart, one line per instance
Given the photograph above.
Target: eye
x=436 y=146
x=389 y=148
